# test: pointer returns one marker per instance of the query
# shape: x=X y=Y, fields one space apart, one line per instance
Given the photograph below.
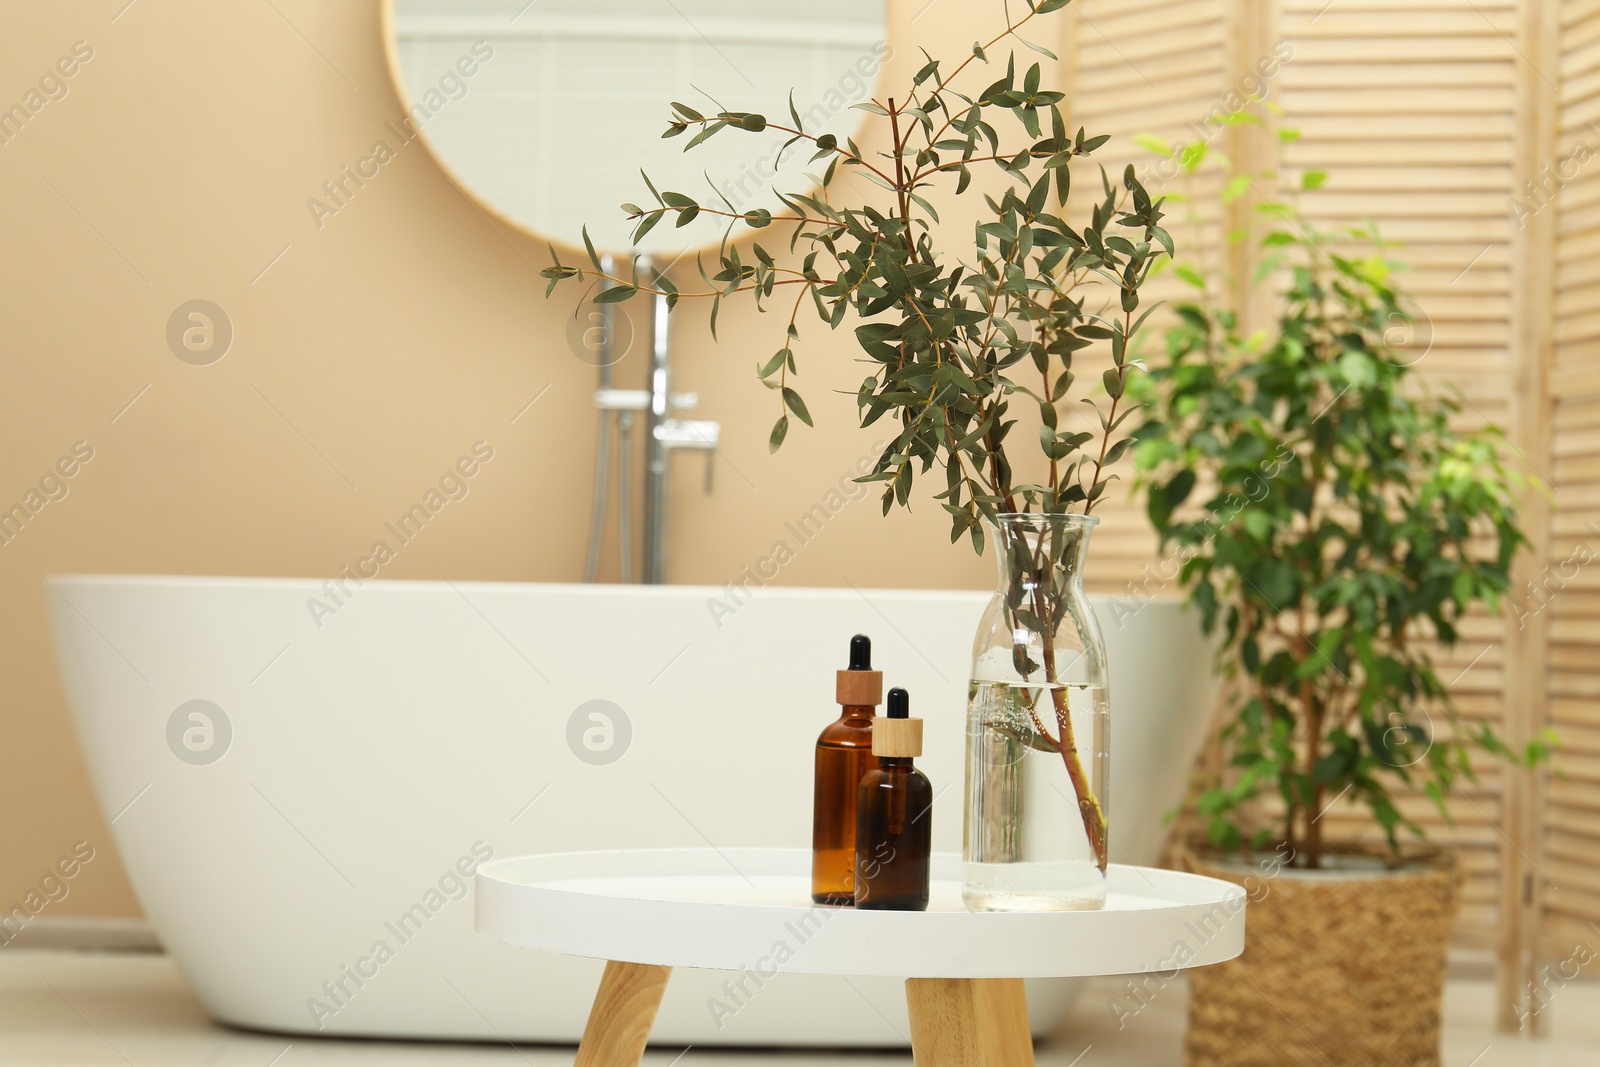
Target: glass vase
x=1038 y=736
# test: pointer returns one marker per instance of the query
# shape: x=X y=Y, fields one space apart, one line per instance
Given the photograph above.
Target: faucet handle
x=621 y=399
x=683 y=401
x=701 y=434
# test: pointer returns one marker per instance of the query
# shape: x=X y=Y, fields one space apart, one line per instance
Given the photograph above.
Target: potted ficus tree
x=1334 y=528
x=964 y=336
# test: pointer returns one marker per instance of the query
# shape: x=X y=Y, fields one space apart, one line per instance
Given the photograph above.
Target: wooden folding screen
x=1432 y=118
x=1567 y=846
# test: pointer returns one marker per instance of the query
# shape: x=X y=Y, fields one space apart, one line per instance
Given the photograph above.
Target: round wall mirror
x=545 y=111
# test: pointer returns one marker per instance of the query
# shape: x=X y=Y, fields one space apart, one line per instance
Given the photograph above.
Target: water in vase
x=1026 y=845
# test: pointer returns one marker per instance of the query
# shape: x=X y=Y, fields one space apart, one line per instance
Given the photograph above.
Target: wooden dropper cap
x=860 y=686
x=897 y=735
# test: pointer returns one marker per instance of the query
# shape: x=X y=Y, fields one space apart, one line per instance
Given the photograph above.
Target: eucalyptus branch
x=946 y=325
x=627 y=287
x=981 y=52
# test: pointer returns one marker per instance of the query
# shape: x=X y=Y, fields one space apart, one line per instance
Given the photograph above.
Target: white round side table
x=647 y=911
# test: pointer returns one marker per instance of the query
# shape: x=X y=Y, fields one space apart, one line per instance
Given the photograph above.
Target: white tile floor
x=66 y=1009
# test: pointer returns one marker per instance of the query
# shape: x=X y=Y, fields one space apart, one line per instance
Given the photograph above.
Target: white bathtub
x=424 y=725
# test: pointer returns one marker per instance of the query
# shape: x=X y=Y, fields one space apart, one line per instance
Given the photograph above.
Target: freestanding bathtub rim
x=225 y=581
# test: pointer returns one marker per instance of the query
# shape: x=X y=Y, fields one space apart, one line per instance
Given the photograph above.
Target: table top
x=750 y=909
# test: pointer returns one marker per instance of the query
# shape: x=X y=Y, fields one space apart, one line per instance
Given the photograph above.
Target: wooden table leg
x=624 y=1010
x=969 y=1022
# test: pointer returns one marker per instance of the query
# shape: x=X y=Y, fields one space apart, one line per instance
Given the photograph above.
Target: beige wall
x=365 y=360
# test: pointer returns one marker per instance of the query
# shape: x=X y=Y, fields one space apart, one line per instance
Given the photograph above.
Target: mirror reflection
x=544 y=110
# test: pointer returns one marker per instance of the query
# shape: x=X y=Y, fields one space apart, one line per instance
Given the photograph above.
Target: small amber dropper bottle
x=894 y=817
x=844 y=754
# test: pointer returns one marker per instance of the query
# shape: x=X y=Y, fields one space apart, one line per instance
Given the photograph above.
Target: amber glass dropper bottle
x=844 y=754
x=894 y=817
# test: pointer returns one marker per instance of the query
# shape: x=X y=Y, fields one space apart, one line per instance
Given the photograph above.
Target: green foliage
x=954 y=336
x=1332 y=525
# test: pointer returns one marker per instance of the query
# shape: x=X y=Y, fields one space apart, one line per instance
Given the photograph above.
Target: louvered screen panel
x=1571 y=845
x=1411 y=109
x=1158 y=67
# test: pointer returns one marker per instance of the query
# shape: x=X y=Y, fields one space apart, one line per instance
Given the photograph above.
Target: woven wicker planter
x=1342 y=968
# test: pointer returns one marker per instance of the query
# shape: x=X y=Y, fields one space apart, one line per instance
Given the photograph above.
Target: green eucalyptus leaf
x=792 y=401
x=770 y=367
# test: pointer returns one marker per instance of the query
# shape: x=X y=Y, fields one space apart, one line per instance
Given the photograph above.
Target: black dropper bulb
x=899 y=704
x=861 y=653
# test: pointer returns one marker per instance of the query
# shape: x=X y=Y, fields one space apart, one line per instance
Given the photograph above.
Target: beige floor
x=130 y=1010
